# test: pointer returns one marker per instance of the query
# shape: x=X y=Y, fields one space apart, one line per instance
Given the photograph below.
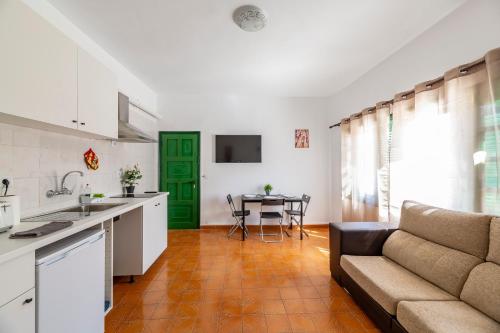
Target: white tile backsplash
x=37 y=160
x=6 y=135
x=26 y=137
x=25 y=162
x=28 y=191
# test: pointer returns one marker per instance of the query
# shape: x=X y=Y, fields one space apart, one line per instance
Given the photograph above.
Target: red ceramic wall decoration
x=91 y=159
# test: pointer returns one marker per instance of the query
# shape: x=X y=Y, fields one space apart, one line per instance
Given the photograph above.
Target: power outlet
x=2 y=186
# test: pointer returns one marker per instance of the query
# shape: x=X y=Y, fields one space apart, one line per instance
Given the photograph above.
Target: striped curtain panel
x=438 y=144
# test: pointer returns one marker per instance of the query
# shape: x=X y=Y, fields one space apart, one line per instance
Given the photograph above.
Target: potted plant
x=130 y=178
x=268 y=188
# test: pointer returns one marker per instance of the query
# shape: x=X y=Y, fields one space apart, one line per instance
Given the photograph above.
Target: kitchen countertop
x=12 y=248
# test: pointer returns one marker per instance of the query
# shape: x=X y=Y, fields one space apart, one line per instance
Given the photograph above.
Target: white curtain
x=438 y=144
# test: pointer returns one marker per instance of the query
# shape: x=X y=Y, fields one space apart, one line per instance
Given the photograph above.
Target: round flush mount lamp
x=250 y=18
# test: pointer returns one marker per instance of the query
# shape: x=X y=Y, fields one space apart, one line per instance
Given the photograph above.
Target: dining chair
x=238 y=217
x=276 y=215
x=294 y=214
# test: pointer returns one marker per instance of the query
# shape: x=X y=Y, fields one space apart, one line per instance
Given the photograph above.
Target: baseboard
x=251 y=226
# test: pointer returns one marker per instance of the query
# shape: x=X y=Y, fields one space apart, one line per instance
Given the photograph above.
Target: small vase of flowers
x=130 y=177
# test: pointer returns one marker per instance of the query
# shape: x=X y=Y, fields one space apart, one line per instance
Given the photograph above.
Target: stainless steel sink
x=74 y=213
x=97 y=207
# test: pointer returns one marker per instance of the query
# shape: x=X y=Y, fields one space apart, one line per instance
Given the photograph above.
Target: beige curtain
x=345 y=143
x=490 y=134
x=438 y=143
x=364 y=140
x=383 y=113
x=445 y=143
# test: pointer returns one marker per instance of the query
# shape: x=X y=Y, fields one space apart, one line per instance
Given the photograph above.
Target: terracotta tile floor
x=207 y=283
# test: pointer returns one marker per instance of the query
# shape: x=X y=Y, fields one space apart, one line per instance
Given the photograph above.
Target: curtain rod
x=334 y=125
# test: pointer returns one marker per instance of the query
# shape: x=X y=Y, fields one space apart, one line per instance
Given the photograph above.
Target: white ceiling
x=309 y=48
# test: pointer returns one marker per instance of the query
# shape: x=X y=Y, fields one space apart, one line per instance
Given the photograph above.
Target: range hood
x=126 y=131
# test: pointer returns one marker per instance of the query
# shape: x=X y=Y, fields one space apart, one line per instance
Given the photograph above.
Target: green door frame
x=160 y=176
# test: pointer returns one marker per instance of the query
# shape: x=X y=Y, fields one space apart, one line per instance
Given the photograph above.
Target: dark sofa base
x=384 y=321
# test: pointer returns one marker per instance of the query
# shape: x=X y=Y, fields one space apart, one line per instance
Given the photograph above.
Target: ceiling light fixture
x=250 y=18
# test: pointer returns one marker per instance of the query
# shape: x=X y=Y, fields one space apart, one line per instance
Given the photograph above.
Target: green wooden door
x=179 y=175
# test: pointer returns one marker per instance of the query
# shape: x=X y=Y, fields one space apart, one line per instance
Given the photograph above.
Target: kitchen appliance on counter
x=70 y=284
x=6 y=215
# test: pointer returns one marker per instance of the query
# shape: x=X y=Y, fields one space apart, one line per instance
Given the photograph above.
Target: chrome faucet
x=63 y=190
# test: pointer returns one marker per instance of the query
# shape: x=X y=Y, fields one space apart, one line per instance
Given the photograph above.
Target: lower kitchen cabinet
x=18 y=316
x=154 y=231
x=139 y=238
x=17 y=294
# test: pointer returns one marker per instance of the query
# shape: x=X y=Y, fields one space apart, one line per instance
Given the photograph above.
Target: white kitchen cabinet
x=17 y=294
x=47 y=82
x=38 y=77
x=16 y=277
x=139 y=237
x=18 y=316
x=154 y=231
x=97 y=97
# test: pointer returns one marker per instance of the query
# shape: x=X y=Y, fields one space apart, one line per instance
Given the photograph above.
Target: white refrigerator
x=70 y=285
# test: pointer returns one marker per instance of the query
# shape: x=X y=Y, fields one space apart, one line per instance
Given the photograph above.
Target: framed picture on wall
x=301 y=138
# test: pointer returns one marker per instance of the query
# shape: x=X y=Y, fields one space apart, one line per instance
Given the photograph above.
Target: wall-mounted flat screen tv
x=238 y=149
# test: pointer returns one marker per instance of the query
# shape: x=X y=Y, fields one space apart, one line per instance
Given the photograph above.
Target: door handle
x=28 y=300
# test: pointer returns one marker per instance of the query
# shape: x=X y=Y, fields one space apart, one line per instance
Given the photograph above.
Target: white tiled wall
x=37 y=160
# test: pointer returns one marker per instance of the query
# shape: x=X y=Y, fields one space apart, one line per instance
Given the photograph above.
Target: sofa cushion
x=445 y=267
x=482 y=289
x=466 y=232
x=494 y=251
x=389 y=283
x=444 y=317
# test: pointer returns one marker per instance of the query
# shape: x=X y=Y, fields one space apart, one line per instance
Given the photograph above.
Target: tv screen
x=238 y=149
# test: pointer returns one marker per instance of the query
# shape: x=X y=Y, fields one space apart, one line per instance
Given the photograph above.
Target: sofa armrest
x=356 y=238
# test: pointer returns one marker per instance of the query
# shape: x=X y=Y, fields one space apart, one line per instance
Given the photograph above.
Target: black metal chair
x=238 y=217
x=294 y=215
x=272 y=215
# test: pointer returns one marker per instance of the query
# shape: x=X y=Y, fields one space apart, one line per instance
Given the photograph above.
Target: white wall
x=289 y=170
x=463 y=36
x=128 y=83
x=37 y=160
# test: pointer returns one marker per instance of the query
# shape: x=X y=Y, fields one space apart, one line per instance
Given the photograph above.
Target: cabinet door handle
x=28 y=300
x=82 y=124
x=74 y=121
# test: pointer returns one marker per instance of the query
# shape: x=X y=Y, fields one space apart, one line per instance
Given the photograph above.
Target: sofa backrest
x=441 y=246
x=482 y=288
x=466 y=232
x=445 y=267
x=494 y=251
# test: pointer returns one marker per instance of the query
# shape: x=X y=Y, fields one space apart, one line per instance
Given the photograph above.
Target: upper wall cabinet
x=38 y=78
x=97 y=97
x=48 y=82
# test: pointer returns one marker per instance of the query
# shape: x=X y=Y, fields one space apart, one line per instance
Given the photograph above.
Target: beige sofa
x=438 y=272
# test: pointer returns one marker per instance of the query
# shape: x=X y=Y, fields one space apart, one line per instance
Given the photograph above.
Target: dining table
x=257 y=198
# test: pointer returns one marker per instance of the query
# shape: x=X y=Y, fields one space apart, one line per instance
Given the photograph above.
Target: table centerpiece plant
x=268 y=188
